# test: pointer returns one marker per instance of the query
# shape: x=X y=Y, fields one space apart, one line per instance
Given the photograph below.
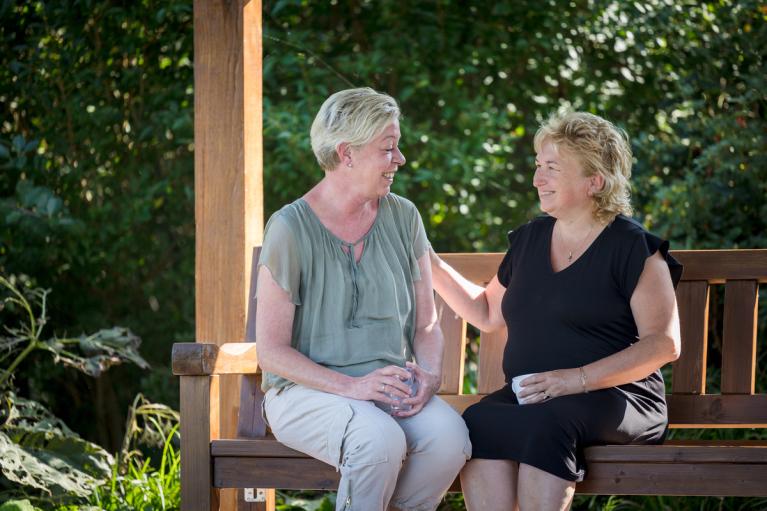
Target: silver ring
x=546 y=396
x=383 y=387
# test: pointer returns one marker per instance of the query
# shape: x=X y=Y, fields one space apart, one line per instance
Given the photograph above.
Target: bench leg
x=197 y=492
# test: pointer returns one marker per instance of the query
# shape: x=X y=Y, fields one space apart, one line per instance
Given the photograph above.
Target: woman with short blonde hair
x=352 y=116
x=347 y=329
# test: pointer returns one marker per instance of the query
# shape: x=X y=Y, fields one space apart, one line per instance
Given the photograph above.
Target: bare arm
x=655 y=312
x=274 y=324
x=480 y=306
x=429 y=342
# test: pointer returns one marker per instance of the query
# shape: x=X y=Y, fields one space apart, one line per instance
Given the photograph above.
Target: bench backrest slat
x=689 y=372
x=739 y=340
x=718 y=266
x=454 y=331
x=250 y=423
x=491 y=346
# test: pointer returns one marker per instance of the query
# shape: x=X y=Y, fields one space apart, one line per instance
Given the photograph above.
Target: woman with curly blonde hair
x=587 y=296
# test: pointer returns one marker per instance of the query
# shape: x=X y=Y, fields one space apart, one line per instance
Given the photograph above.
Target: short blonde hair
x=602 y=149
x=354 y=116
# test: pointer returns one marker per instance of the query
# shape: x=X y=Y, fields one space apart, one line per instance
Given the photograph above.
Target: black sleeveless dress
x=562 y=320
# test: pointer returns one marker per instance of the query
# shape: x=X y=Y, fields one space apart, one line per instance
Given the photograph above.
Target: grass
x=143 y=486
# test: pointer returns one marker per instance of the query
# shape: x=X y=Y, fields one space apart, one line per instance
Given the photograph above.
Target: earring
x=349 y=164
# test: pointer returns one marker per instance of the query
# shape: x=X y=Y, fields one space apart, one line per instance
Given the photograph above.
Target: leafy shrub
x=42 y=457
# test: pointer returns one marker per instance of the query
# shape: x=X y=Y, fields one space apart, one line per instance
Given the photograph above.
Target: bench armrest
x=199 y=359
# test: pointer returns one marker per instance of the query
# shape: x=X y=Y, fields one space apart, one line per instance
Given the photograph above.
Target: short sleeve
x=280 y=255
x=419 y=241
x=504 y=270
x=645 y=245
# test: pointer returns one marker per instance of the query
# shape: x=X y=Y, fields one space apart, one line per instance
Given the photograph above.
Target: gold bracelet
x=583 y=380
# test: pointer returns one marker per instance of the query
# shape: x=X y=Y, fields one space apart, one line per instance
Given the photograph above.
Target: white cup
x=515 y=386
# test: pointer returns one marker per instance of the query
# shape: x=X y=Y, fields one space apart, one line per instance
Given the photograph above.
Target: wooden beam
x=193 y=358
x=454 y=330
x=605 y=478
x=717 y=411
x=198 y=358
x=698 y=451
x=739 y=343
x=705 y=479
x=689 y=371
x=490 y=376
x=743 y=452
x=717 y=266
x=289 y=474
x=195 y=441
x=228 y=178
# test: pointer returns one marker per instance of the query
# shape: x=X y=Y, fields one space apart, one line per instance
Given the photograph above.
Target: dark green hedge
x=96 y=141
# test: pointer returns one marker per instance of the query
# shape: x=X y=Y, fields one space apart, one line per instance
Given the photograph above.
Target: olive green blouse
x=351 y=316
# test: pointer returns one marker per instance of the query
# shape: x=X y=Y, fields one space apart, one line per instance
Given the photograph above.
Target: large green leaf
x=37 y=450
x=17 y=505
x=98 y=352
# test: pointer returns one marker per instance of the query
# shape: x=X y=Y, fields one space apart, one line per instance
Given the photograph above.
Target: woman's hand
x=380 y=384
x=428 y=385
x=541 y=387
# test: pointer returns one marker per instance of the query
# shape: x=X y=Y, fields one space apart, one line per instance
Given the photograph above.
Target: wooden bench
x=678 y=467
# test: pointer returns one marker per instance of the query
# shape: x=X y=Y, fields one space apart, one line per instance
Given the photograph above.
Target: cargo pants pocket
x=336 y=432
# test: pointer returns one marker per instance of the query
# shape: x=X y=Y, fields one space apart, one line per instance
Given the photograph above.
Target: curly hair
x=354 y=116
x=601 y=148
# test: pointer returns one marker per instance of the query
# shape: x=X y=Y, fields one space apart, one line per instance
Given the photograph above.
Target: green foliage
x=17 y=505
x=41 y=455
x=96 y=177
x=137 y=483
x=305 y=501
x=90 y=354
x=687 y=84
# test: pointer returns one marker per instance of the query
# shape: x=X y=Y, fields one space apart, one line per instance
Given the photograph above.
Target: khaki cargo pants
x=384 y=461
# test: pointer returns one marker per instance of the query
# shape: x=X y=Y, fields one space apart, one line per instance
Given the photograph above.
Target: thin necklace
x=579 y=246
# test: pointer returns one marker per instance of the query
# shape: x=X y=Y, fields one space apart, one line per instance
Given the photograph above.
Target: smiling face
x=563 y=190
x=375 y=163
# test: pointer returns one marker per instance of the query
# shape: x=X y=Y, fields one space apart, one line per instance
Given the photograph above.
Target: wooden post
x=196 y=491
x=228 y=179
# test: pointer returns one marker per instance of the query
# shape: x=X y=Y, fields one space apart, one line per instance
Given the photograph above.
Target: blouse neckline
x=349 y=245
x=550 y=235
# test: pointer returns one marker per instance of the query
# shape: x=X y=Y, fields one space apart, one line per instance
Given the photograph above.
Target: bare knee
x=490 y=485
x=539 y=489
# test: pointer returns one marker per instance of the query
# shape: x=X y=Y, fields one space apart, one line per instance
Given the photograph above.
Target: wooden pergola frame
x=228 y=182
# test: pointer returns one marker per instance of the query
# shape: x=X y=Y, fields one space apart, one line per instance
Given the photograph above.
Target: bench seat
x=678 y=467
